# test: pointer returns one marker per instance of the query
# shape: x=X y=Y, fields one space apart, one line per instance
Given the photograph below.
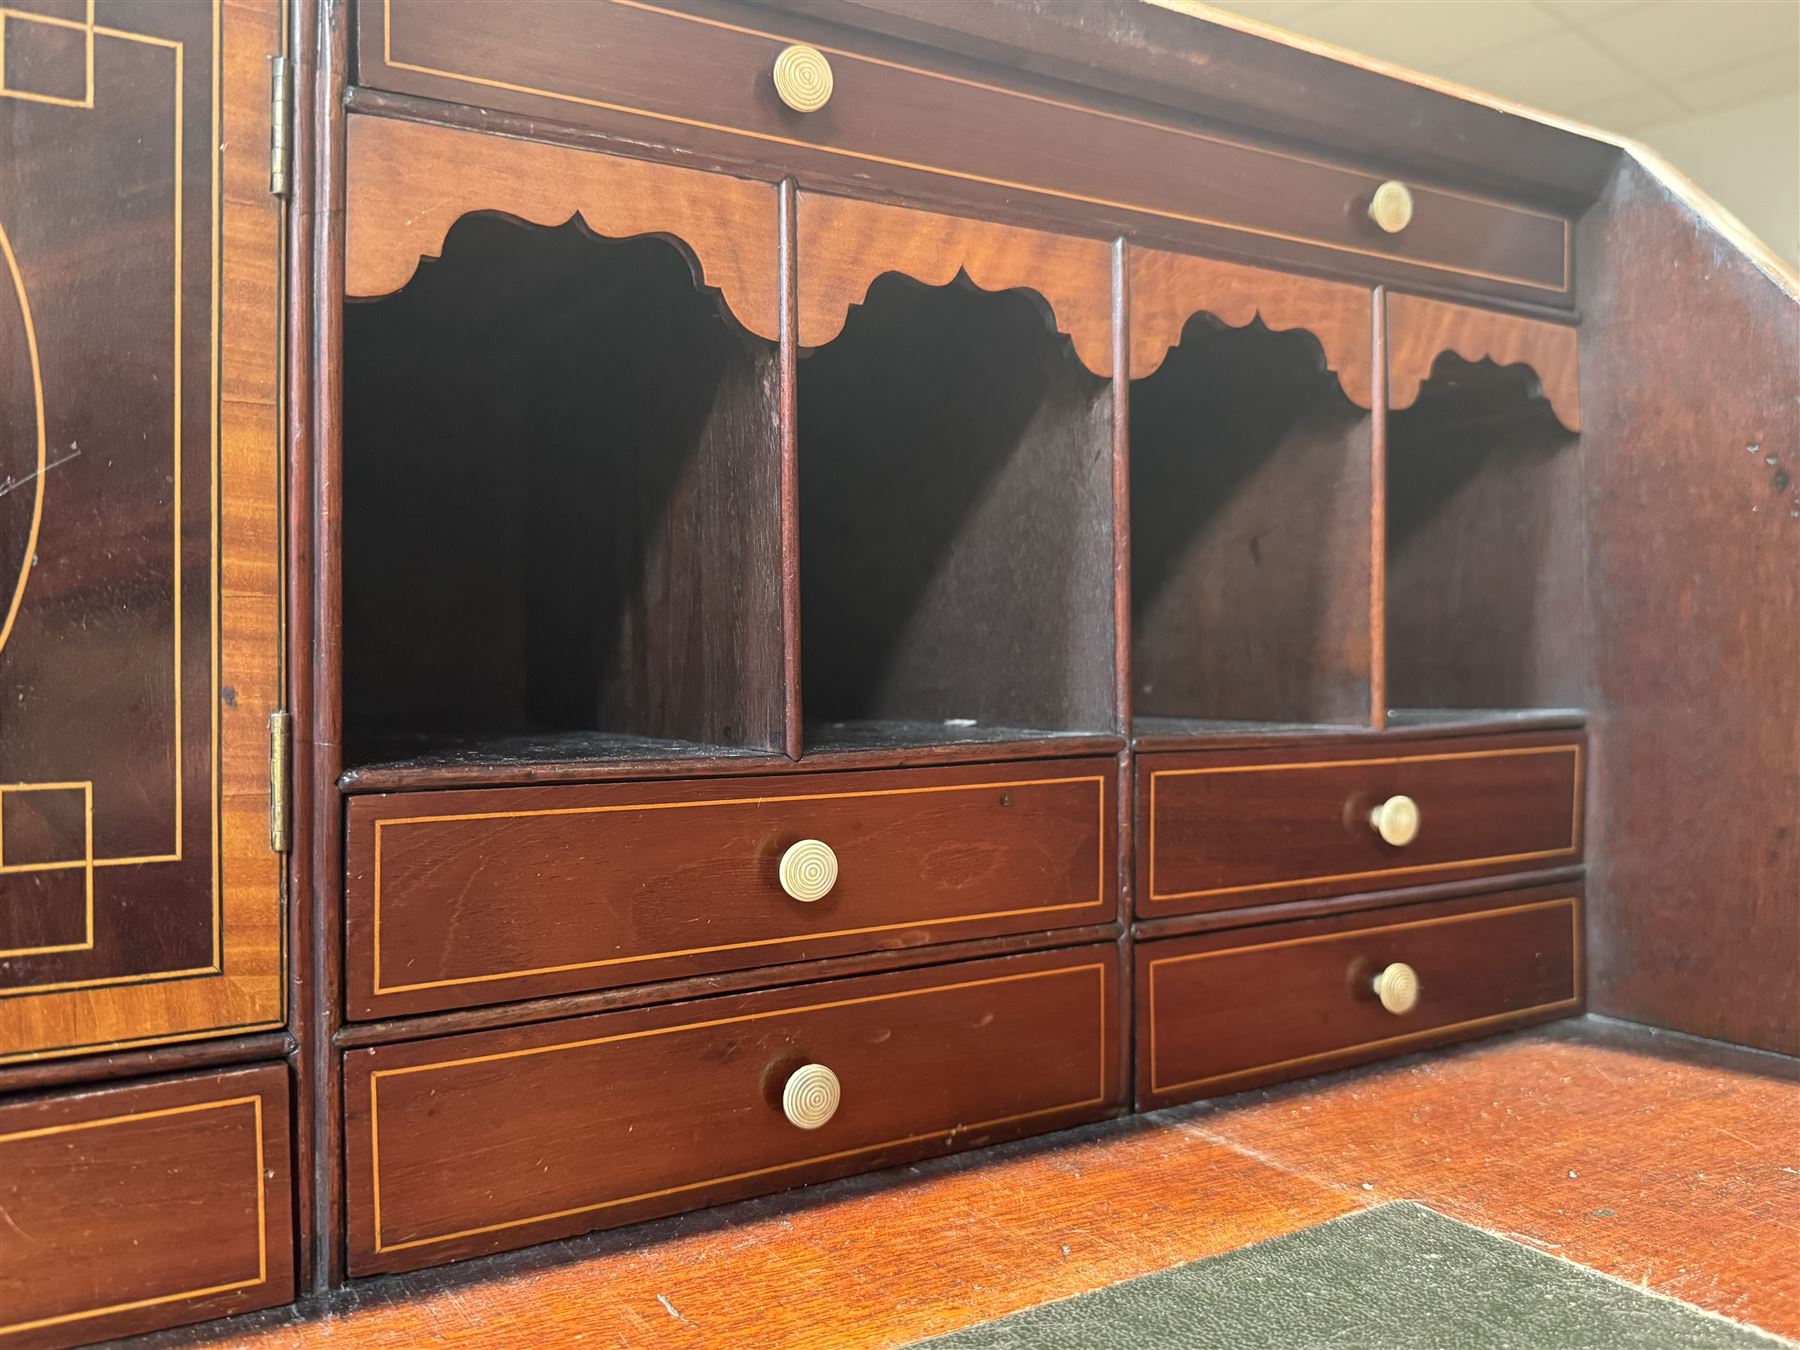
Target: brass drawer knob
x=1396 y=820
x=1391 y=208
x=803 y=78
x=811 y=1096
x=809 y=869
x=1398 y=988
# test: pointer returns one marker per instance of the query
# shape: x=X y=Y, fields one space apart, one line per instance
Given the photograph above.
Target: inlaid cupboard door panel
x=140 y=641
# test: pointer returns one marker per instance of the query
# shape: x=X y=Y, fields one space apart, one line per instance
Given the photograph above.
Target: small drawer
x=470 y=897
x=1235 y=828
x=1223 y=1012
x=921 y=122
x=134 y=1208
x=481 y=1142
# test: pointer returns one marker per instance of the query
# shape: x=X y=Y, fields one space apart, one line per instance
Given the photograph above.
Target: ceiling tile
x=1555 y=72
x=1629 y=112
x=1744 y=83
x=1282 y=13
x=1685 y=37
x=1426 y=34
x=1590 y=11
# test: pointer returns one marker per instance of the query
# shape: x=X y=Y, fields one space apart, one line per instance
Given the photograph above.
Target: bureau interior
x=1250 y=529
x=955 y=523
x=561 y=504
x=1485 y=553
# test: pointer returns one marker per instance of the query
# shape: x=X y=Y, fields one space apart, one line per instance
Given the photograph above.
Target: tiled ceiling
x=1622 y=65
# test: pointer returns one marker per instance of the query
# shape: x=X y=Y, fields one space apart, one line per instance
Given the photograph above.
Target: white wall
x=1748 y=159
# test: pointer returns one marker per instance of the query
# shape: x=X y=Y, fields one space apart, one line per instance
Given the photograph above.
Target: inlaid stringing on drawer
x=911 y=1080
x=198 y=1161
x=251 y=1105
x=666 y=893
x=913 y=116
x=1368 y=934
x=1400 y=872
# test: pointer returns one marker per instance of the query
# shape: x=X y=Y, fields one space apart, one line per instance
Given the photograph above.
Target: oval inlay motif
x=22 y=442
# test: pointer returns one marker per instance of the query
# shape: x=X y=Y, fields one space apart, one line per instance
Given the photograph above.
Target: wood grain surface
x=408 y=183
x=1250 y=533
x=146 y=1206
x=957 y=516
x=1167 y=289
x=140 y=902
x=1681 y=1153
x=1422 y=330
x=1694 y=570
x=463 y=1145
x=845 y=244
x=1229 y=828
x=462 y=898
x=1333 y=97
x=1222 y=1012
x=556 y=441
x=1486 y=601
x=936 y=127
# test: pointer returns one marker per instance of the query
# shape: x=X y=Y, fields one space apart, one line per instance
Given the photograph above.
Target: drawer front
x=1228 y=1011
x=461 y=898
x=938 y=125
x=1232 y=829
x=134 y=1208
x=477 y=1143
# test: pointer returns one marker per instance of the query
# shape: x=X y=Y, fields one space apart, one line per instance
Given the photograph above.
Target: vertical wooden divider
x=300 y=559
x=327 y=731
x=1378 y=420
x=788 y=362
x=1121 y=481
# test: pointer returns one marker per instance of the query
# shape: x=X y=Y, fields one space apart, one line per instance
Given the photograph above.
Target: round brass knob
x=803 y=78
x=1397 y=987
x=811 y=1096
x=1391 y=208
x=809 y=870
x=1396 y=820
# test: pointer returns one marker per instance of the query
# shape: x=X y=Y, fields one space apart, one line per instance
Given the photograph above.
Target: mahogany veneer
x=477 y=1143
x=933 y=123
x=463 y=898
x=1253 y=827
x=144 y=1206
x=1222 y=1012
x=1033 y=473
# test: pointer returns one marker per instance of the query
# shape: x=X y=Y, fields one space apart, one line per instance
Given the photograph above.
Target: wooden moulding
x=408 y=183
x=845 y=245
x=1167 y=289
x=1420 y=330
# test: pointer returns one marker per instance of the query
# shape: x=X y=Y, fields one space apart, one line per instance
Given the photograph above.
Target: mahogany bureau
x=614 y=606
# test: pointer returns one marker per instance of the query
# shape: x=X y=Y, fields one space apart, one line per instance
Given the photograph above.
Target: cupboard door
x=140 y=472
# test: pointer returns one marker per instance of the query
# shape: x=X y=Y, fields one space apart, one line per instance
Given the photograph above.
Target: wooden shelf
x=1189 y=733
x=510 y=759
x=839 y=738
x=513 y=757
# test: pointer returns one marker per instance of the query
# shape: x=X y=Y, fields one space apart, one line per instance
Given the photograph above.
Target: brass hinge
x=281 y=126
x=281 y=780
